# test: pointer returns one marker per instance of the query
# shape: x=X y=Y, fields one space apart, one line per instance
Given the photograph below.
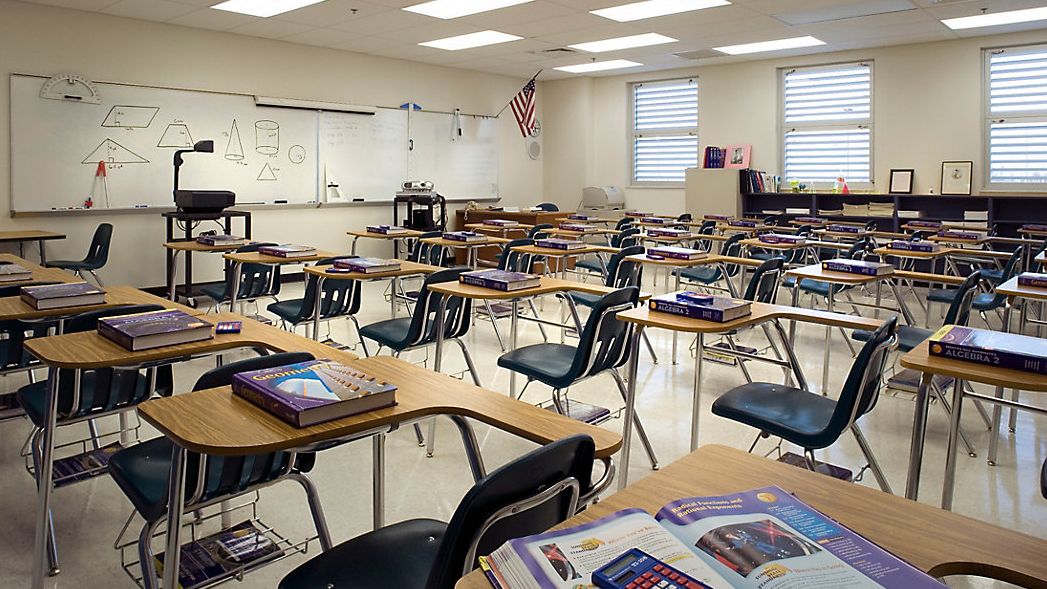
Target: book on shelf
x=60 y=296
x=154 y=329
x=669 y=232
x=387 y=229
x=1033 y=227
x=797 y=210
x=976 y=215
x=714 y=157
x=500 y=279
x=1032 y=280
x=914 y=246
x=560 y=244
x=782 y=238
x=677 y=253
x=578 y=227
x=14 y=273
x=223 y=239
x=863 y=267
x=221 y=554
x=288 y=250
x=312 y=392
x=992 y=348
x=843 y=228
x=830 y=212
x=83 y=466
x=465 y=236
x=501 y=222
x=367 y=265
x=718 y=309
x=904 y=214
x=970 y=225
x=764 y=538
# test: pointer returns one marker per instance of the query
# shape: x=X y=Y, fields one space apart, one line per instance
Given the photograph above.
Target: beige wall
x=44 y=40
x=927 y=102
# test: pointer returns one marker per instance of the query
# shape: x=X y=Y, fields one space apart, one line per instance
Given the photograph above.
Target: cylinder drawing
x=267 y=137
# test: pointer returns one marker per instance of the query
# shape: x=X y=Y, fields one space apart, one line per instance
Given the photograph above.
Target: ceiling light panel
x=456 y=8
x=644 y=40
x=653 y=8
x=598 y=66
x=471 y=40
x=763 y=46
x=998 y=18
x=264 y=8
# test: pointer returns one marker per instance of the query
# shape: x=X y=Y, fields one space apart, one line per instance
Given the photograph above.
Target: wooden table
x=190 y=247
x=919 y=359
x=405 y=235
x=762 y=314
x=472 y=258
x=563 y=257
x=502 y=230
x=40 y=273
x=240 y=258
x=935 y=541
x=40 y=237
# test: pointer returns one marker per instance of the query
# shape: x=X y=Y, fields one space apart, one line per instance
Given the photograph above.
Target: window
x=664 y=130
x=827 y=123
x=1016 y=117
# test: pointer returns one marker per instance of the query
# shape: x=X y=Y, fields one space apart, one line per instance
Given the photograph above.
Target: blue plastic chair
x=708 y=276
x=338 y=298
x=257 y=281
x=96 y=258
x=549 y=207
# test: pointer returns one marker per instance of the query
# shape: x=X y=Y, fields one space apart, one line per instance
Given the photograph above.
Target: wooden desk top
x=215 y=421
x=941 y=239
x=407 y=268
x=258 y=258
x=40 y=273
x=558 y=253
x=703 y=261
x=890 y=235
x=407 y=233
x=728 y=227
x=16 y=308
x=815 y=272
x=548 y=285
x=754 y=242
x=193 y=246
x=29 y=235
x=1033 y=232
x=761 y=313
x=501 y=228
x=595 y=220
x=571 y=233
x=711 y=236
x=820 y=223
x=911 y=227
x=841 y=234
x=928 y=277
x=888 y=251
x=89 y=350
x=489 y=240
x=1011 y=288
x=669 y=238
x=1016 y=241
x=959 y=545
x=919 y=359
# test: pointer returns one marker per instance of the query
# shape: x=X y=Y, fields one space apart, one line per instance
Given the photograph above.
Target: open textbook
x=764 y=539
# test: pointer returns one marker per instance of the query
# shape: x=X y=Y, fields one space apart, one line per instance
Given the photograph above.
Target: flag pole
x=533 y=78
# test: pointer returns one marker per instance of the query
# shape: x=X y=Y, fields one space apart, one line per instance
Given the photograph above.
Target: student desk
x=240 y=258
x=818 y=223
x=919 y=359
x=911 y=227
x=958 y=241
x=594 y=220
x=761 y=314
x=935 y=541
x=728 y=228
x=472 y=258
x=569 y=233
x=503 y=230
x=405 y=235
x=407 y=268
x=190 y=247
x=20 y=237
x=14 y=308
x=40 y=273
x=841 y=235
x=563 y=257
x=525 y=216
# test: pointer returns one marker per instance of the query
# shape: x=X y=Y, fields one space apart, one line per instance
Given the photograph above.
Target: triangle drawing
x=234 y=149
x=111 y=152
x=266 y=174
x=176 y=135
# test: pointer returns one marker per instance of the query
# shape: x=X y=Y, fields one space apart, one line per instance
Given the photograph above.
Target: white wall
x=43 y=40
x=927 y=102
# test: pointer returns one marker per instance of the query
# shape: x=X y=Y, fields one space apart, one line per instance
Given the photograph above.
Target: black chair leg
x=874 y=465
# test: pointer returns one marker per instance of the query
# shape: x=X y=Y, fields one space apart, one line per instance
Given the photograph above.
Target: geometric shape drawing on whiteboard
x=266 y=174
x=111 y=152
x=130 y=117
x=176 y=135
x=234 y=149
x=267 y=137
x=296 y=154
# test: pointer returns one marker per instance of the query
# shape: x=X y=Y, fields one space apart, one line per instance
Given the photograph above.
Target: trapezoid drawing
x=266 y=175
x=234 y=149
x=111 y=152
x=176 y=135
x=130 y=117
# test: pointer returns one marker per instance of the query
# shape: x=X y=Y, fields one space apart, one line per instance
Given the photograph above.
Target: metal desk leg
x=472 y=447
x=997 y=409
x=514 y=321
x=394 y=286
x=676 y=334
x=919 y=432
x=378 y=474
x=630 y=407
x=316 y=305
x=172 y=269
x=902 y=306
x=43 y=253
x=175 y=506
x=828 y=344
x=696 y=404
x=950 y=457
x=1012 y=419
x=352 y=248
x=45 y=480
x=795 y=303
x=236 y=286
x=438 y=356
x=801 y=380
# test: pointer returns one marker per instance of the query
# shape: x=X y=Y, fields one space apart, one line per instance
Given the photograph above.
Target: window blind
x=665 y=130
x=1017 y=125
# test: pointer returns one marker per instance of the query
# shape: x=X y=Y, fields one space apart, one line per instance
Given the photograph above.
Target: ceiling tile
x=218 y=20
x=321 y=37
x=432 y=32
x=365 y=44
x=271 y=28
x=160 y=10
x=384 y=22
x=89 y=5
x=521 y=13
x=332 y=12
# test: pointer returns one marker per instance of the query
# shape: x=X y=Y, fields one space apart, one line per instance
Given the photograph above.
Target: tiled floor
x=89 y=515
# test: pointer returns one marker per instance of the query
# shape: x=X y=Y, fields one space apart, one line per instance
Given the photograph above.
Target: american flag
x=523 y=108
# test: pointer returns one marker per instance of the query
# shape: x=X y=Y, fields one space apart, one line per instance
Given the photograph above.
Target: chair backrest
x=862 y=387
x=514 y=261
x=733 y=248
x=339 y=297
x=548 y=206
x=423 y=322
x=626 y=237
x=624 y=223
x=1010 y=269
x=707 y=227
x=621 y=272
x=960 y=309
x=769 y=220
x=538 y=231
x=918 y=235
x=98 y=252
x=763 y=285
x=604 y=341
x=13 y=333
x=427 y=253
x=256 y=280
x=526 y=496
x=112 y=388
x=863 y=249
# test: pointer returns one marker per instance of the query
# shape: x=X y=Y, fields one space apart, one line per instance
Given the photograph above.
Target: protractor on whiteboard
x=72 y=88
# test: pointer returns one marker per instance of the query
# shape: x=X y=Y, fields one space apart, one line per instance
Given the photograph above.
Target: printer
x=602 y=197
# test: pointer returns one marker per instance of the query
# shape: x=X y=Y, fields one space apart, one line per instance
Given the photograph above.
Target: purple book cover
x=927 y=224
x=577 y=217
x=954 y=234
x=668 y=232
x=497 y=279
x=218 y=239
x=285 y=250
x=151 y=323
x=836 y=228
x=1032 y=280
x=774 y=238
x=578 y=227
x=1034 y=227
x=365 y=264
x=720 y=309
x=857 y=267
x=636 y=214
x=741 y=223
x=677 y=253
x=914 y=246
x=657 y=220
x=465 y=236
x=993 y=348
x=501 y=222
x=811 y=220
x=385 y=229
x=559 y=244
x=716 y=217
x=59 y=291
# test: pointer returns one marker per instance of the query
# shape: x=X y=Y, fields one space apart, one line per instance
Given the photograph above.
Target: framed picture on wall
x=738 y=156
x=901 y=181
x=956 y=177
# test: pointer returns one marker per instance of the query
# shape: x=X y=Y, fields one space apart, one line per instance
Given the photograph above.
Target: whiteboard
x=365 y=155
x=466 y=167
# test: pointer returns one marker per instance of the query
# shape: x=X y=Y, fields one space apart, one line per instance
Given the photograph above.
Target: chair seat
x=549 y=364
x=993 y=276
x=764 y=256
x=585 y=299
x=375 y=560
x=391 y=333
x=71 y=265
x=289 y=311
x=142 y=472
x=941 y=295
x=985 y=301
x=33 y=397
x=215 y=291
x=908 y=337
x=789 y=282
x=703 y=274
x=818 y=287
x=591 y=265
x=795 y=415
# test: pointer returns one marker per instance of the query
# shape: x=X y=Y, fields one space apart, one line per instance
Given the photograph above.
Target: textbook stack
x=465 y=236
x=367 y=265
x=222 y=554
x=723 y=218
x=746 y=223
x=797 y=211
x=812 y=220
x=155 y=329
x=961 y=234
x=581 y=217
x=14 y=273
x=60 y=296
x=500 y=280
x=701 y=306
x=677 y=253
x=288 y=251
x=308 y=393
x=857 y=267
x=1032 y=280
x=560 y=244
x=636 y=214
x=223 y=240
x=386 y=229
x=991 y=348
x=926 y=224
x=715 y=157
